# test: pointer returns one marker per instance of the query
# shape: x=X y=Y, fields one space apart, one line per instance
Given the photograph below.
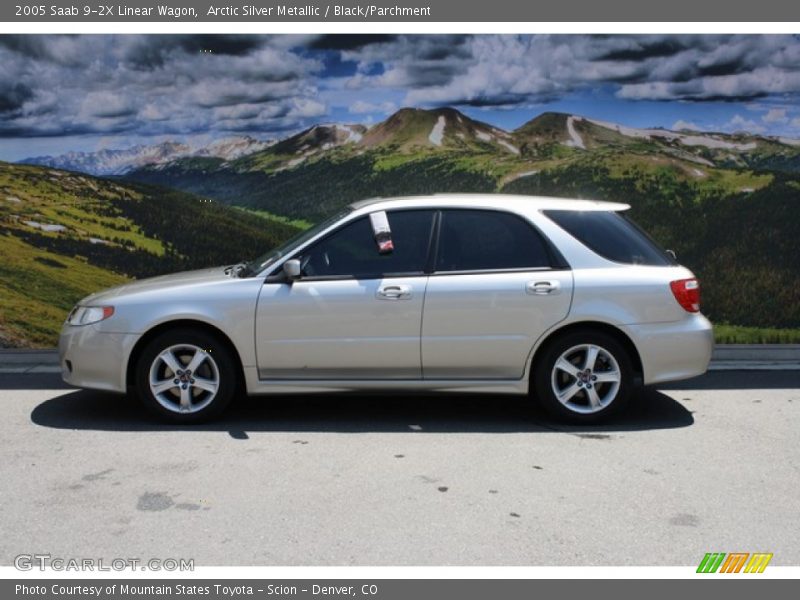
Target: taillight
x=687 y=293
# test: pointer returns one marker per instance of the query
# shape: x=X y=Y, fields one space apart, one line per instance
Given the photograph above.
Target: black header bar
x=400 y=11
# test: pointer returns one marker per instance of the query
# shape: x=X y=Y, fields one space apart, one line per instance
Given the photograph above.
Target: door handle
x=394 y=292
x=542 y=288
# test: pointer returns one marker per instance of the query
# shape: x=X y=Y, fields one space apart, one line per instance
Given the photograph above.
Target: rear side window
x=485 y=240
x=612 y=236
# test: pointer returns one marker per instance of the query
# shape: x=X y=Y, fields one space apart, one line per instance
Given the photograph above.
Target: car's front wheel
x=185 y=376
x=583 y=376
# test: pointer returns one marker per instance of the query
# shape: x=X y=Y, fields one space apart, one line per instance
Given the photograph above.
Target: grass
x=299 y=223
x=43 y=273
x=38 y=288
x=731 y=181
x=79 y=203
x=737 y=334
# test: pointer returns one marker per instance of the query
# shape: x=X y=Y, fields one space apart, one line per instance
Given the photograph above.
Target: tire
x=572 y=390
x=185 y=395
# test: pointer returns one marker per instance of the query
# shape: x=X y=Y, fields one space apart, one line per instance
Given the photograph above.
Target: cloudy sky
x=87 y=92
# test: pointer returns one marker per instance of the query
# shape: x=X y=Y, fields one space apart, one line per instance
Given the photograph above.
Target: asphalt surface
x=712 y=464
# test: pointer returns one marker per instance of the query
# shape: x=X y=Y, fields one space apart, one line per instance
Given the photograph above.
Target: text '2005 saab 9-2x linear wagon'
x=566 y=300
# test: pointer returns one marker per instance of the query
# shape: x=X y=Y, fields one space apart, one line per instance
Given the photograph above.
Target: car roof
x=490 y=201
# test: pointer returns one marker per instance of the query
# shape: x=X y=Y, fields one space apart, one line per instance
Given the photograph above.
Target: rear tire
x=583 y=377
x=185 y=376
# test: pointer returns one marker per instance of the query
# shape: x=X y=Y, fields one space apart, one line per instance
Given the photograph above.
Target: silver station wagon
x=565 y=300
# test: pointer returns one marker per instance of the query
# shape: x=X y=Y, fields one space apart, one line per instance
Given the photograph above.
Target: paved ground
x=710 y=465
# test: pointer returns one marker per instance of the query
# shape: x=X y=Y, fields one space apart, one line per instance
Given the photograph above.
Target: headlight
x=86 y=315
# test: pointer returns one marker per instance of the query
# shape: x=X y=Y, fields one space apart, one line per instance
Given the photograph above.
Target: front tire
x=185 y=376
x=583 y=377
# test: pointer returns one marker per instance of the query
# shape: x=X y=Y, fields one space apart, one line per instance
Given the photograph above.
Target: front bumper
x=673 y=351
x=91 y=358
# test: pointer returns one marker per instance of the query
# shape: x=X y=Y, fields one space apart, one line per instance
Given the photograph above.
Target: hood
x=162 y=282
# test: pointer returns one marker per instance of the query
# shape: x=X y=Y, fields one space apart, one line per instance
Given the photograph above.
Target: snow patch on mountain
x=707 y=141
x=233 y=148
x=634 y=132
x=510 y=147
x=575 y=141
x=45 y=226
x=437 y=133
x=712 y=142
x=353 y=135
x=515 y=176
x=488 y=137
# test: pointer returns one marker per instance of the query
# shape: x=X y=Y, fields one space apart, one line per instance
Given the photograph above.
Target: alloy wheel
x=184 y=378
x=586 y=378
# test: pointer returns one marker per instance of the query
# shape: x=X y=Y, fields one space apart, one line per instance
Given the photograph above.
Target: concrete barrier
x=774 y=352
x=741 y=357
x=17 y=356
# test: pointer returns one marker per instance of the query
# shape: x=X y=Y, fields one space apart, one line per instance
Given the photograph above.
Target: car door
x=354 y=313
x=496 y=287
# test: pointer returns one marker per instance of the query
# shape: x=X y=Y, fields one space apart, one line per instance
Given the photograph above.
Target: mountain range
x=445 y=129
x=121 y=161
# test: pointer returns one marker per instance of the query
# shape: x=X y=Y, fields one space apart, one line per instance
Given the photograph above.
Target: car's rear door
x=496 y=287
x=355 y=313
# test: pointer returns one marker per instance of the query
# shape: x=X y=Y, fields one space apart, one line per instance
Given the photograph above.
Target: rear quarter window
x=612 y=236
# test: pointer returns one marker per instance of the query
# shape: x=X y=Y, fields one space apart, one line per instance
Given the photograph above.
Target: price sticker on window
x=382 y=232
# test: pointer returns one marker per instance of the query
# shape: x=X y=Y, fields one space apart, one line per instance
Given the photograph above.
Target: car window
x=611 y=235
x=480 y=240
x=352 y=251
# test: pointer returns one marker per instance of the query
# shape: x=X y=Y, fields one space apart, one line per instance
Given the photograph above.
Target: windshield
x=262 y=262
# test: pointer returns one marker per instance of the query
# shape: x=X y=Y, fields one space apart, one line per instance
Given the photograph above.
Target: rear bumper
x=94 y=359
x=672 y=351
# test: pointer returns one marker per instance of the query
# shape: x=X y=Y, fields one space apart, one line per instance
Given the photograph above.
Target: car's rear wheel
x=583 y=376
x=185 y=376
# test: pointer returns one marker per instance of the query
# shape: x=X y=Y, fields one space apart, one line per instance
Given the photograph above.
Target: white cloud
x=306 y=107
x=680 y=124
x=775 y=115
x=496 y=70
x=740 y=123
x=106 y=105
x=155 y=85
x=360 y=107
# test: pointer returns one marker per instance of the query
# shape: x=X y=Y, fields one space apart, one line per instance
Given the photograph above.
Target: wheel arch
x=598 y=326
x=157 y=330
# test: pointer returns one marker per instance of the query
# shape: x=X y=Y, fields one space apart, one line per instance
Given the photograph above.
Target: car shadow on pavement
x=33 y=381
x=360 y=413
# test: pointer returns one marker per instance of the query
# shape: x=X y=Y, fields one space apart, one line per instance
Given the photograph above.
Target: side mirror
x=672 y=254
x=292 y=270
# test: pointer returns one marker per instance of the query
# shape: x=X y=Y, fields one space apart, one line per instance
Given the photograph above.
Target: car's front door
x=495 y=289
x=354 y=313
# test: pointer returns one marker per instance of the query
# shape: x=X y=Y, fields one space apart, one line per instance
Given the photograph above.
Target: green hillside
x=64 y=235
x=744 y=246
